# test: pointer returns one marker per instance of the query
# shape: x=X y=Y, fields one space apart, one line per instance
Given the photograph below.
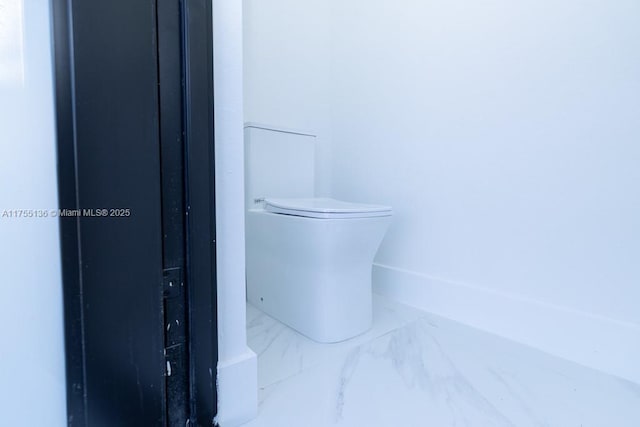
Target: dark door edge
x=200 y=193
x=67 y=199
x=200 y=201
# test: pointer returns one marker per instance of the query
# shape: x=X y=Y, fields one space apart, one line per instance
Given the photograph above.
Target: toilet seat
x=324 y=207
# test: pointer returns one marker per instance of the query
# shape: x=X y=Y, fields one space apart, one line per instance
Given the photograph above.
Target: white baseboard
x=237 y=390
x=598 y=342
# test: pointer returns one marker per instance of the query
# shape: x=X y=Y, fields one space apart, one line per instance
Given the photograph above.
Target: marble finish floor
x=416 y=369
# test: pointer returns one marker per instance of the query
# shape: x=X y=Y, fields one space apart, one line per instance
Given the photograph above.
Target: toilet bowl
x=308 y=259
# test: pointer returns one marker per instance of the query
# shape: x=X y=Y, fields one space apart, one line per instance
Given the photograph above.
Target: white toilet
x=308 y=259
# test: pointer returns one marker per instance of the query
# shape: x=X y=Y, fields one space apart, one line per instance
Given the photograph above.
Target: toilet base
x=312 y=274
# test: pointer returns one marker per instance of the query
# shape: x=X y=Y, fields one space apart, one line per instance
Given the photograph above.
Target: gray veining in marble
x=415 y=369
x=283 y=352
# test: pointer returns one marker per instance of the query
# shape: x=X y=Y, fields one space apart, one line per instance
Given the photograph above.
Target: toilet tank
x=279 y=162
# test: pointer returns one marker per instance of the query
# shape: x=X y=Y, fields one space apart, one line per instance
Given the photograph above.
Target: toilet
x=308 y=259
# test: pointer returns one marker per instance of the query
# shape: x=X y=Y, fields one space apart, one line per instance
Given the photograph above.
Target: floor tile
x=283 y=352
x=429 y=371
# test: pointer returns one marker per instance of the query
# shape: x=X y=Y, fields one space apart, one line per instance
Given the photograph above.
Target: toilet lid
x=323 y=207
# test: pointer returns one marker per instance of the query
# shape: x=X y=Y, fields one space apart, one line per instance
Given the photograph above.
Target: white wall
x=506 y=137
x=287 y=71
x=237 y=366
x=504 y=134
x=32 y=373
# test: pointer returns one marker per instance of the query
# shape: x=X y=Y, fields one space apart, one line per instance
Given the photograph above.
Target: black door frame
x=194 y=104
